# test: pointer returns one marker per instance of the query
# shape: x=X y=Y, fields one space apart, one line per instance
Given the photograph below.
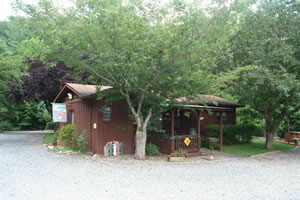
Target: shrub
x=69 y=138
x=81 y=142
x=51 y=138
x=67 y=135
x=204 y=142
x=233 y=134
x=51 y=126
x=5 y=125
x=213 y=145
x=296 y=140
x=151 y=150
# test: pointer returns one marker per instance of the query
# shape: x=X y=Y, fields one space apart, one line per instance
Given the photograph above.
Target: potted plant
x=178 y=156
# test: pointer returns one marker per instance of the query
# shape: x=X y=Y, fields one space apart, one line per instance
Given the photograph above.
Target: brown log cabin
x=114 y=124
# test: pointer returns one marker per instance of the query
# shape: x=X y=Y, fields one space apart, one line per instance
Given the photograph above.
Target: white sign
x=59 y=112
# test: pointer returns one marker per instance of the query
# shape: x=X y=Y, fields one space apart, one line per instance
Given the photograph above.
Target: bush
x=51 y=138
x=214 y=145
x=69 y=138
x=204 y=142
x=51 y=126
x=81 y=143
x=233 y=134
x=151 y=150
x=4 y=126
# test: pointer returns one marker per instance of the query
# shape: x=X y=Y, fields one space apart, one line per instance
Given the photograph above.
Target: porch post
x=198 y=130
x=172 y=132
x=221 y=133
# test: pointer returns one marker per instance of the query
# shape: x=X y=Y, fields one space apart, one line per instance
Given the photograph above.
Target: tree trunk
x=140 y=144
x=270 y=131
x=269 y=141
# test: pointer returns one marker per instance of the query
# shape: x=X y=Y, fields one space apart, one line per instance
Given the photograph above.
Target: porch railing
x=192 y=147
x=165 y=143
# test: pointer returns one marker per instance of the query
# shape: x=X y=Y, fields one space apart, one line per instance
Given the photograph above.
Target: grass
x=50 y=139
x=255 y=147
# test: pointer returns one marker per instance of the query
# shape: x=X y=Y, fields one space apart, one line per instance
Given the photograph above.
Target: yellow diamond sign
x=187 y=141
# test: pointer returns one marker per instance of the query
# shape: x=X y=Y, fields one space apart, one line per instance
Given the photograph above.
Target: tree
x=149 y=54
x=8 y=71
x=40 y=82
x=268 y=38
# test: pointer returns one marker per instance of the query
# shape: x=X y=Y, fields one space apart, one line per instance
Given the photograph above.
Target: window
x=71 y=118
x=224 y=116
x=106 y=114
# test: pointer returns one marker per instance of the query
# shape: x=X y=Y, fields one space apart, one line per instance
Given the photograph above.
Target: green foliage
x=51 y=126
x=82 y=142
x=180 y=153
x=268 y=38
x=29 y=115
x=8 y=72
x=5 y=125
x=234 y=134
x=69 y=138
x=213 y=145
x=51 y=138
x=296 y=140
x=152 y=150
x=68 y=135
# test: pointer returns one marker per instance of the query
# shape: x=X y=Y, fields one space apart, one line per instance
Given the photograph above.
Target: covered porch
x=184 y=125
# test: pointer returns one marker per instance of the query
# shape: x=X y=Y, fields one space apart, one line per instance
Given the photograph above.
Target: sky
x=6 y=8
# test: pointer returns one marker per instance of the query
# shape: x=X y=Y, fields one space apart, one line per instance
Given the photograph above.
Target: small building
x=112 y=123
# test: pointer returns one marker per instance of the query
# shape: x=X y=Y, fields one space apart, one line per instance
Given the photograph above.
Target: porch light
x=201 y=118
x=70 y=96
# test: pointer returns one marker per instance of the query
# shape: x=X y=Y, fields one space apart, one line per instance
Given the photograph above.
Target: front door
x=96 y=145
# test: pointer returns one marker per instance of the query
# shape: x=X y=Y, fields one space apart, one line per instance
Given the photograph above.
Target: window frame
x=71 y=118
x=107 y=115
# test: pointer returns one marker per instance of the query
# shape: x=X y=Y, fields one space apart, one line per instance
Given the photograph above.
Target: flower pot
x=57 y=142
x=176 y=159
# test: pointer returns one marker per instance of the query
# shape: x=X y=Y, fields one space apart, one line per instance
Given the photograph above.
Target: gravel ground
x=29 y=171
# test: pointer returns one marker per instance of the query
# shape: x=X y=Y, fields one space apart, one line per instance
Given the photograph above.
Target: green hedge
x=69 y=138
x=233 y=134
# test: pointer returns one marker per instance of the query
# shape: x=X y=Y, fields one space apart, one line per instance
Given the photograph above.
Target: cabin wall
x=120 y=128
x=87 y=113
x=81 y=111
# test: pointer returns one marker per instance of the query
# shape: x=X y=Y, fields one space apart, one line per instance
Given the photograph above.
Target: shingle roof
x=86 y=90
x=83 y=91
x=89 y=90
x=208 y=100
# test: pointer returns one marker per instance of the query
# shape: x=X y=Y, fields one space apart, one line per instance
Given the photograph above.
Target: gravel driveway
x=29 y=171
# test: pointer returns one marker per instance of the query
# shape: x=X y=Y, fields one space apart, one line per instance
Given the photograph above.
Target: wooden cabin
x=83 y=110
x=112 y=123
